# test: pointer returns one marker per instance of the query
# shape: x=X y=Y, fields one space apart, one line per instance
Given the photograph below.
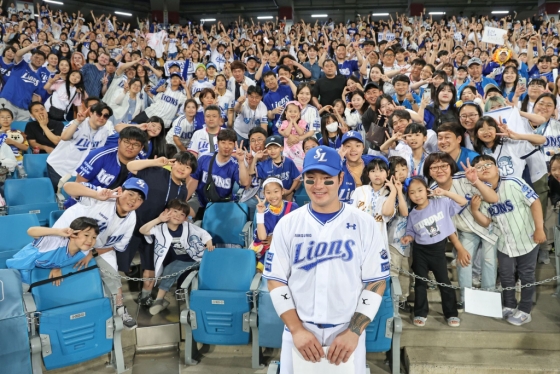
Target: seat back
x=54 y=216
x=271 y=327
x=376 y=341
x=72 y=290
x=227 y=269
x=300 y=196
x=225 y=221
x=14 y=340
x=13 y=231
x=18 y=125
x=28 y=191
x=35 y=165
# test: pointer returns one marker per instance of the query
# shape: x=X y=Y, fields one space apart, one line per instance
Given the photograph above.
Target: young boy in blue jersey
x=178 y=244
x=55 y=248
x=403 y=96
x=228 y=166
x=276 y=166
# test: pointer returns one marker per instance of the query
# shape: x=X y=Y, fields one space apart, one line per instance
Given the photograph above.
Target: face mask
x=332 y=127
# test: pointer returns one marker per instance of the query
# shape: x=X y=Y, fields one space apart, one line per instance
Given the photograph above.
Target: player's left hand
x=342 y=347
x=56 y=273
x=539 y=236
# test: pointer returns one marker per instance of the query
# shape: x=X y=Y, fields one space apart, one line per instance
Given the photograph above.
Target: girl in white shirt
x=65 y=94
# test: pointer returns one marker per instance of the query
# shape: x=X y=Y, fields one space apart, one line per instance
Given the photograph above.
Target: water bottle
x=21 y=171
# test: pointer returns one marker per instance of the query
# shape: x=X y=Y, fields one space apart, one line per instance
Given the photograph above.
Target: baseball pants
x=325 y=338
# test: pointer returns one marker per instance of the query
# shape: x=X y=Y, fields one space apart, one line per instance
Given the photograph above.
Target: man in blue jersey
x=348 y=67
x=278 y=96
x=449 y=138
x=228 y=167
x=476 y=79
x=24 y=83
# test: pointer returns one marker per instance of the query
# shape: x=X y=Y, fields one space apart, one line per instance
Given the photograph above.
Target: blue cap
x=211 y=65
x=352 y=135
x=136 y=184
x=323 y=158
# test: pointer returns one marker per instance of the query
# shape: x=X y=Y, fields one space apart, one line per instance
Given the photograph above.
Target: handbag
x=58 y=114
x=210 y=191
x=376 y=134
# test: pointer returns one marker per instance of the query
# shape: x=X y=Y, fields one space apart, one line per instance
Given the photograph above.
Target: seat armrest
x=29 y=303
x=187 y=282
x=255 y=283
x=198 y=223
x=247 y=233
x=396 y=286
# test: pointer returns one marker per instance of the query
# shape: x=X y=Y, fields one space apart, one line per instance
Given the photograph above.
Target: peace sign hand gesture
x=260 y=206
x=165 y=216
x=470 y=171
x=106 y=194
x=239 y=153
x=342 y=151
x=162 y=161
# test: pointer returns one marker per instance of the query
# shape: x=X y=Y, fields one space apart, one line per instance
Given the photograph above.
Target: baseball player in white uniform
x=327 y=269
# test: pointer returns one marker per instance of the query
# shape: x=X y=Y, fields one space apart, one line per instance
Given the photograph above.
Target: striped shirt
x=512 y=216
x=92 y=79
x=464 y=221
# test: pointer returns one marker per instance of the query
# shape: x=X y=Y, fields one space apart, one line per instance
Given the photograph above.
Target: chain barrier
x=432 y=281
x=134 y=279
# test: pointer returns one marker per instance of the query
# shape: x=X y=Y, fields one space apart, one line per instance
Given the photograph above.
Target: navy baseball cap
x=352 y=135
x=323 y=158
x=175 y=75
x=274 y=139
x=136 y=184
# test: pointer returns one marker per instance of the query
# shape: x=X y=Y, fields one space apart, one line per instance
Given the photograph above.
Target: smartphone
x=427 y=94
x=523 y=81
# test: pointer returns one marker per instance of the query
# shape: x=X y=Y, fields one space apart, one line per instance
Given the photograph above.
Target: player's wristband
x=282 y=300
x=260 y=218
x=368 y=304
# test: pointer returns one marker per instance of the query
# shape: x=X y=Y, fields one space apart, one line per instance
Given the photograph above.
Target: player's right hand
x=308 y=345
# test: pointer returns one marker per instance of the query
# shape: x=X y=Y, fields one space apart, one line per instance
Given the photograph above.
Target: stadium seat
x=35 y=165
x=271 y=327
x=54 y=216
x=228 y=223
x=18 y=125
x=13 y=231
x=379 y=332
x=77 y=320
x=34 y=195
x=220 y=307
x=61 y=195
x=300 y=196
x=14 y=340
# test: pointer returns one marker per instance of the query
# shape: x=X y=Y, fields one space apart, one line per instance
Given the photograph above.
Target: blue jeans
x=474 y=243
x=171 y=268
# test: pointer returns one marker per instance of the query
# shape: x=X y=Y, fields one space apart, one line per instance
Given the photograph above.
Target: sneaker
x=476 y=282
x=508 y=312
x=158 y=306
x=128 y=321
x=544 y=257
x=144 y=301
x=461 y=307
x=519 y=318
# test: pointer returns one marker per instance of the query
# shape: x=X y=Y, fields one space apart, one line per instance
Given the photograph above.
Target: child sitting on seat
x=178 y=245
x=15 y=139
x=267 y=218
x=55 y=248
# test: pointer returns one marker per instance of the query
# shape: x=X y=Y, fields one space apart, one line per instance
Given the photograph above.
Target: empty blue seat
x=376 y=331
x=228 y=223
x=14 y=340
x=271 y=327
x=219 y=310
x=18 y=125
x=300 y=196
x=54 y=216
x=35 y=165
x=13 y=231
x=34 y=195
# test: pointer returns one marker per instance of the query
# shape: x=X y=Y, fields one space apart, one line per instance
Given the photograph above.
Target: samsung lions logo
x=141 y=183
x=505 y=165
x=384 y=254
x=320 y=156
x=316 y=253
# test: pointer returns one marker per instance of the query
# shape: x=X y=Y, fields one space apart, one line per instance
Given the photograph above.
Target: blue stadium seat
x=220 y=307
x=300 y=196
x=35 y=165
x=271 y=326
x=34 y=195
x=55 y=215
x=77 y=320
x=13 y=231
x=18 y=125
x=14 y=340
x=228 y=223
x=377 y=338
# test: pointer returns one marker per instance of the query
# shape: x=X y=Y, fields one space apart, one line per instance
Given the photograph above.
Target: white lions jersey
x=327 y=265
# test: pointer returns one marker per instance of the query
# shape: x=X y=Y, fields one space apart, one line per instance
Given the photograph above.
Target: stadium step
x=424 y=360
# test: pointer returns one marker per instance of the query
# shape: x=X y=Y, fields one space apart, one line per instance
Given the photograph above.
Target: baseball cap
x=371 y=85
x=352 y=135
x=199 y=66
x=174 y=64
x=323 y=158
x=175 y=75
x=474 y=60
x=274 y=139
x=462 y=67
x=491 y=86
x=253 y=58
x=136 y=184
x=211 y=65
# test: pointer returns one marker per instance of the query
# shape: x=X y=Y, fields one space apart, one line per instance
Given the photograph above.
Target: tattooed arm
x=347 y=341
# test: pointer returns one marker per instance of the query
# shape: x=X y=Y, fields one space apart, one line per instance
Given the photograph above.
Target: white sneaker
x=519 y=318
x=508 y=312
x=128 y=321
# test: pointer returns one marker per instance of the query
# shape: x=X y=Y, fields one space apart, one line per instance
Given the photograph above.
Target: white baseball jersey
x=69 y=154
x=326 y=265
x=182 y=128
x=231 y=85
x=512 y=218
x=166 y=105
x=114 y=231
x=200 y=143
x=551 y=132
x=249 y=118
x=511 y=156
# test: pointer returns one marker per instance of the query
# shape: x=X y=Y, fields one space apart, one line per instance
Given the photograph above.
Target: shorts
x=106 y=264
x=146 y=251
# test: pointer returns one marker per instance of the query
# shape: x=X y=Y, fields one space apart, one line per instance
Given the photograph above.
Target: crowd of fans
x=417 y=108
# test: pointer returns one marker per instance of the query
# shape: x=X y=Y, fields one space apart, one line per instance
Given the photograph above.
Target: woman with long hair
x=127 y=102
x=78 y=61
x=65 y=94
x=443 y=109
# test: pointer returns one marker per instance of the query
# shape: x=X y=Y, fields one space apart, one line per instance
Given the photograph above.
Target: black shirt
x=369 y=117
x=162 y=189
x=34 y=132
x=328 y=90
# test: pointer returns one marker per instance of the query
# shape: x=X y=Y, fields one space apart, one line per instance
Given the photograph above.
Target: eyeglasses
x=253 y=141
x=129 y=144
x=485 y=166
x=488 y=130
x=469 y=116
x=549 y=106
x=104 y=115
x=442 y=167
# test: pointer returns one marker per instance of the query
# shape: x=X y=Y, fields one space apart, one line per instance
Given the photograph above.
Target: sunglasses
x=104 y=115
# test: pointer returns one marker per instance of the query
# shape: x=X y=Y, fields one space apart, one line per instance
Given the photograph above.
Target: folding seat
x=228 y=223
x=61 y=195
x=271 y=327
x=30 y=196
x=220 y=308
x=300 y=196
x=76 y=321
x=18 y=125
x=35 y=165
x=13 y=231
x=54 y=216
x=14 y=340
